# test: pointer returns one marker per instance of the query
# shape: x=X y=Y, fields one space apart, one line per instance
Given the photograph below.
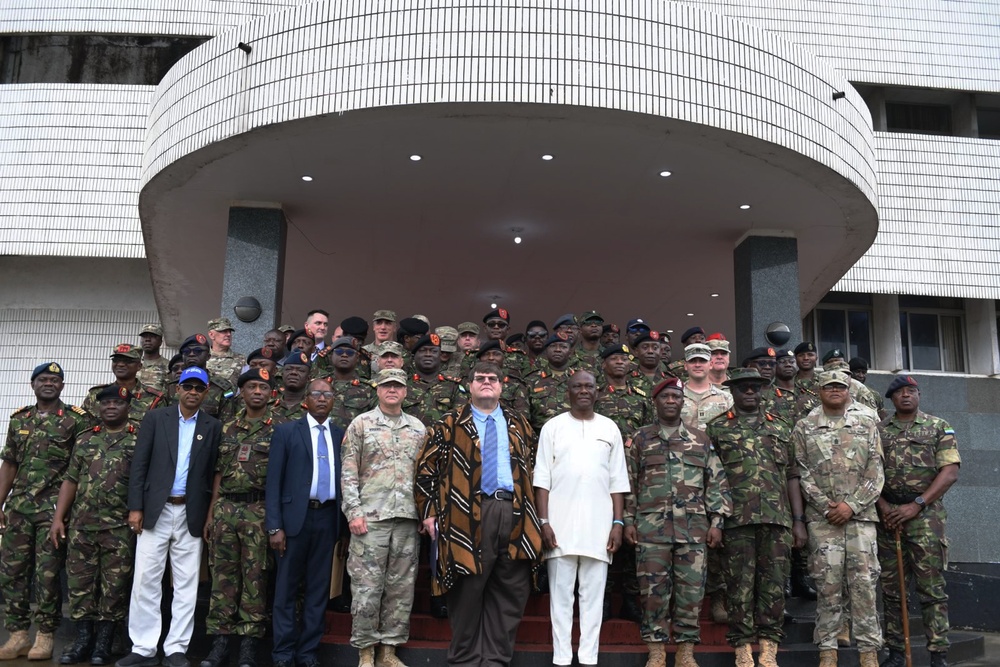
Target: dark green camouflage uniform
x=218 y=401
x=514 y=395
x=678 y=489
x=645 y=382
x=238 y=553
x=143 y=400
x=429 y=401
x=582 y=360
x=101 y=548
x=547 y=395
x=282 y=409
x=756 y=453
x=789 y=404
x=914 y=453
x=40 y=446
x=350 y=399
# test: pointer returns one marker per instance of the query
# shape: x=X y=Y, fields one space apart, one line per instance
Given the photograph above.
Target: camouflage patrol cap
x=114 y=391
x=387 y=375
x=740 y=375
x=697 y=351
x=468 y=327
x=717 y=344
x=286 y=328
x=154 y=329
x=422 y=318
x=389 y=315
x=448 y=336
x=832 y=377
x=50 y=368
x=389 y=347
x=125 y=350
x=591 y=315
x=220 y=324
x=836 y=364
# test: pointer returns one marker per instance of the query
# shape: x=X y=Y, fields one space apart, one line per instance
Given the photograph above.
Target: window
x=918 y=118
x=842 y=320
x=989 y=123
x=932 y=341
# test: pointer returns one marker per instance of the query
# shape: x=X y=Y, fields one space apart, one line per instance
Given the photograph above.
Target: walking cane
x=902 y=600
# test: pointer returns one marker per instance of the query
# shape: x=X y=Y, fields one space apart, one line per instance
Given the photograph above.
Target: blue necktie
x=322 y=454
x=488 y=483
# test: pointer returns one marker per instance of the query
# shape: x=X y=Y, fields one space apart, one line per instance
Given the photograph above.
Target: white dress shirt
x=314 y=437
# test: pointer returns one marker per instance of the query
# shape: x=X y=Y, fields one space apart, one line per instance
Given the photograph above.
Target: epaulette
x=79 y=411
x=639 y=391
x=20 y=410
x=323 y=352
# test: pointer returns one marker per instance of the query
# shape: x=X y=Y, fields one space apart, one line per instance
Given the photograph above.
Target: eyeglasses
x=637 y=329
x=834 y=387
x=344 y=352
x=316 y=393
x=537 y=334
x=765 y=364
x=192 y=350
x=486 y=379
x=197 y=388
x=496 y=324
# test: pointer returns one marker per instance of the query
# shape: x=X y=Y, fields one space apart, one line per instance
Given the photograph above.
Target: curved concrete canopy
x=601 y=228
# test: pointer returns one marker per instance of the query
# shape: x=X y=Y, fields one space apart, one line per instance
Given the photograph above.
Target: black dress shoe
x=136 y=660
x=219 y=655
x=439 y=608
x=176 y=660
x=309 y=663
x=284 y=663
x=895 y=659
x=939 y=659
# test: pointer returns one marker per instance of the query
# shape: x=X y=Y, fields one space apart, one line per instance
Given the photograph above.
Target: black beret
x=536 y=324
x=196 y=339
x=300 y=333
x=610 y=327
x=114 y=391
x=568 y=320
x=805 y=347
x=50 y=367
x=515 y=338
x=487 y=346
x=255 y=374
x=858 y=364
x=760 y=353
x=653 y=336
x=555 y=338
x=427 y=339
x=783 y=353
x=411 y=326
x=690 y=332
x=497 y=313
x=898 y=383
x=261 y=353
x=615 y=349
x=835 y=353
x=176 y=359
x=355 y=326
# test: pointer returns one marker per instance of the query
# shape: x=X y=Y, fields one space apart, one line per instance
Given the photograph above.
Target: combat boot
x=42 y=648
x=895 y=659
x=17 y=645
x=828 y=657
x=102 y=643
x=366 y=656
x=81 y=648
x=768 y=653
x=685 y=655
x=744 y=656
x=657 y=654
x=385 y=656
x=939 y=659
x=869 y=659
x=248 y=652
x=719 y=613
x=630 y=610
x=219 y=655
x=844 y=636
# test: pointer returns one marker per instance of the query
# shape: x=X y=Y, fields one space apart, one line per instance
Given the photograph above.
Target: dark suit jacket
x=289 y=476
x=154 y=465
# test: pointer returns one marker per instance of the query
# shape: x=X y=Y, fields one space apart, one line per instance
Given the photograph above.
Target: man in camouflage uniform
x=805 y=359
x=693 y=335
x=155 y=367
x=40 y=440
x=378 y=457
x=703 y=401
x=430 y=393
x=587 y=355
x=718 y=365
x=101 y=548
x=237 y=551
x=514 y=394
x=610 y=335
x=547 y=386
x=195 y=352
x=648 y=374
x=839 y=455
x=535 y=335
x=451 y=359
x=921 y=464
x=858 y=367
x=125 y=364
x=223 y=362
x=497 y=323
x=679 y=499
x=755 y=449
x=263 y=358
x=352 y=395
x=834 y=361
x=288 y=400
x=630 y=408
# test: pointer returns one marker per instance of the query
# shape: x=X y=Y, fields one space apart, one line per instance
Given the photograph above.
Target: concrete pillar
x=981 y=330
x=766 y=277
x=888 y=343
x=255 y=267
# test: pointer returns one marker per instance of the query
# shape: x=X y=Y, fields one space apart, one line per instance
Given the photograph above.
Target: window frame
x=907 y=345
x=845 y=309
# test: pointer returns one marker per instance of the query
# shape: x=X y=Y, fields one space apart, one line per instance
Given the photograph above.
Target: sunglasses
x=538 y=334
x=344 y=352
x=197 y=388
x=192 y=350
x=496 y=324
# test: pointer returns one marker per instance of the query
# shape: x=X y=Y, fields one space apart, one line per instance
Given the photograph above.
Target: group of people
x=580 y=451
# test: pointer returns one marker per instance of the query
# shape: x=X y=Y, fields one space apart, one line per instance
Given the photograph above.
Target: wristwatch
x=274 y=531
x=543 y=522
x=919 y=500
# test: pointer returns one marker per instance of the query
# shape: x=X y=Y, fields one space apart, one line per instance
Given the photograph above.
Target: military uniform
x=238 y=553
x=914 y=453
x=547 y=395
x=701 y=408
x=379 y=456
x=227 y=365
x=101 y=548
x=217 y=401
x=646 y=382
x=143 y=400
x=789 y=404
x=679 y=488
x=840 y=459
x=350 y=399
x=40 y=446
x=429 y=401
x=154 y=373
x=676 y=369
x=584 y=360
x=285 y=410
x=514 y=395
x=756 y=454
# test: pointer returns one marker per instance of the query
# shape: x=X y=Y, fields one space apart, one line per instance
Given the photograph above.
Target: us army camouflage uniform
x=429 y=401
x=458 y=365
x=227 y=365
x=379 y=457
x=547 y=395
x=756 y=453
x=143 y=400
x=238 y=552
x=217 y=401
x=40 y=446
x=679 y=489
x=914 y=454
x=154 y=373
x=701 y=408
x=840 y=459
x=350 y=399
x=101 y=548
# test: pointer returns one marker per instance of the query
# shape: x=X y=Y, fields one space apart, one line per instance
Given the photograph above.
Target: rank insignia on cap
x=264 y=375
x=201 y=339
x=54 y=368
x=655 y=335
x=502 y=312
x=123 y=392
x=302 y=357
x=771 y=352
x=124 y=348
x=435 y=339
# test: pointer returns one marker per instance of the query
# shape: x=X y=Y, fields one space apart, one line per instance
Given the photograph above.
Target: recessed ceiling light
x=415 y=158
x=546 y=157
x=713 y=294
x=307 y=179
x=690 y=314
x=517 y=239
x=493 y=305
x=744 y=207
x=664 y=174
x=670 y=330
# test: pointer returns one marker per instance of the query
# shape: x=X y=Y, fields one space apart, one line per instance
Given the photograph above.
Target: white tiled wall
x=69 y=167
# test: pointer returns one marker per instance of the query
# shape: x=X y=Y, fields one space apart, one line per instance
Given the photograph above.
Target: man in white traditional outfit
x=580 y=485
